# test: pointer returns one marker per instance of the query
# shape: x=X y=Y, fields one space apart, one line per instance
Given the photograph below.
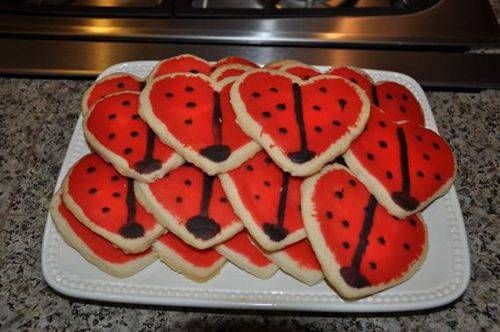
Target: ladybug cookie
x=184 y=63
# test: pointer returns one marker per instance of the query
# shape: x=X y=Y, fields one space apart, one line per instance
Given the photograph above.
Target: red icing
x=101 y=247
x=105 y=206
x=243 y=245
x=115 y=123
x=171 y=99
x=180 y=193
x=301 y=252
x=182 y=64
x=203 y=258
x=302 y=72
x=393 y=244
x=325 y=121
x=108 y=86
x=380 y=141
x=231 y=72
x=235 y=60
x=258 y=182
x=399 y=103
x=356 y=76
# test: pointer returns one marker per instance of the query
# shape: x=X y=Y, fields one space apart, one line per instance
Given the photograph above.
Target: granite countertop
x=37 y=118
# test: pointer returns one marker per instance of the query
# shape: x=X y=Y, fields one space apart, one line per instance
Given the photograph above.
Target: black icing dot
x=388 y=175
x=406 y=246
x=256 y=95
x=189 y=89
x=267 y=183
x=328 y=215
x=126 y=103
x=134 y=134
x=127 y=151
x=112 y=116
x=268 y=160
x=381 y=240
x=405 y=97
x=402 y=109
x=382 y=144
x=178 y=199
x=91 y=169
x=105 y=209
x=266 y=114
x=382 y=124
x=120 y=85
x=323 y=89
x=273 y=89
x=345 y=223
x=188 y=122
x=187 y=182
x=257 y=197
x=342 y=103
x=389 y=96
x=169 y=94
x=116 y=194
x=283 y=130
x=223 y=199
x=352 y=182
x=346 y=245
x=316 y=108
x=280 y=107
x=435 y=146
x=135 y=117
x=426 y=156
x=115 y=178
x=194 y=71
x=318 y=129
x=111 y=136
x=420 y=174
x=373 y=265
x=336 y=123
x=419 y=138
x=437 y=177
x=370 y=156
x=413 y=222
x=249 y=168
x=190 y=104
x=339 y=194
x=92 y=190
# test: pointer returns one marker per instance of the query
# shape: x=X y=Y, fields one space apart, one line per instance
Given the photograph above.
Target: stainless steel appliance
x=429 y=39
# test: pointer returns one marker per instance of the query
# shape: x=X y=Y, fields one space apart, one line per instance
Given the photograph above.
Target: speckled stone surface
x=36 y=121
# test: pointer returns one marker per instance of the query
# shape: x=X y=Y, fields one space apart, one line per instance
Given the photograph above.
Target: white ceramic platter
x=442 y=278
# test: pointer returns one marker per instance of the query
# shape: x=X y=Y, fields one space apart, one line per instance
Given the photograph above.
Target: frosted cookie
x=104 y=201
x=194 y=116
x=362 y=249
x=198 y=265
x=300 y=262
x=395 y=99
x=184 y=63
x=192 y=205
x=302 y=71
x=231 y=70
x=242 y=252
x=267 y=200
x=119 y=82
x=234 y=60
x=301 y=124
x=117 y=133
x=404 y=166
x=94 y=248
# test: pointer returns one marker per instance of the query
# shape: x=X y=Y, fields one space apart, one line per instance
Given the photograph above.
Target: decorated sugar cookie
x=394 y=99
x=405 y=166
x=362 y=248
x=194 y=116
x=302 y=71
x=299 y=261
x=267 y=200
x=119 y=82
x=301 y=124
x=234 y=60
x=242 y=252
x=104 y=201
x=192 y=205
x=184 y=63
x=116 y=131
x=196 y=264
x=94 y=248
x=231 y=70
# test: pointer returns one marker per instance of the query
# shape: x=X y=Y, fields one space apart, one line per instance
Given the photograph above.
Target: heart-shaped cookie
x=362 y=249
x=405 y=166
x=192 y=205
x=194 y=116
x=104 y=201
x=267 y=200
x=301 y=124
x=117 y=133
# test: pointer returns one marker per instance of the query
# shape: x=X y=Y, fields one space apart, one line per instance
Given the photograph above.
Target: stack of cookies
x=321 y=175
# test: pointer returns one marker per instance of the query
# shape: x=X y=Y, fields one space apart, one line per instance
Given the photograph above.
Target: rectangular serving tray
x=442 y=278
